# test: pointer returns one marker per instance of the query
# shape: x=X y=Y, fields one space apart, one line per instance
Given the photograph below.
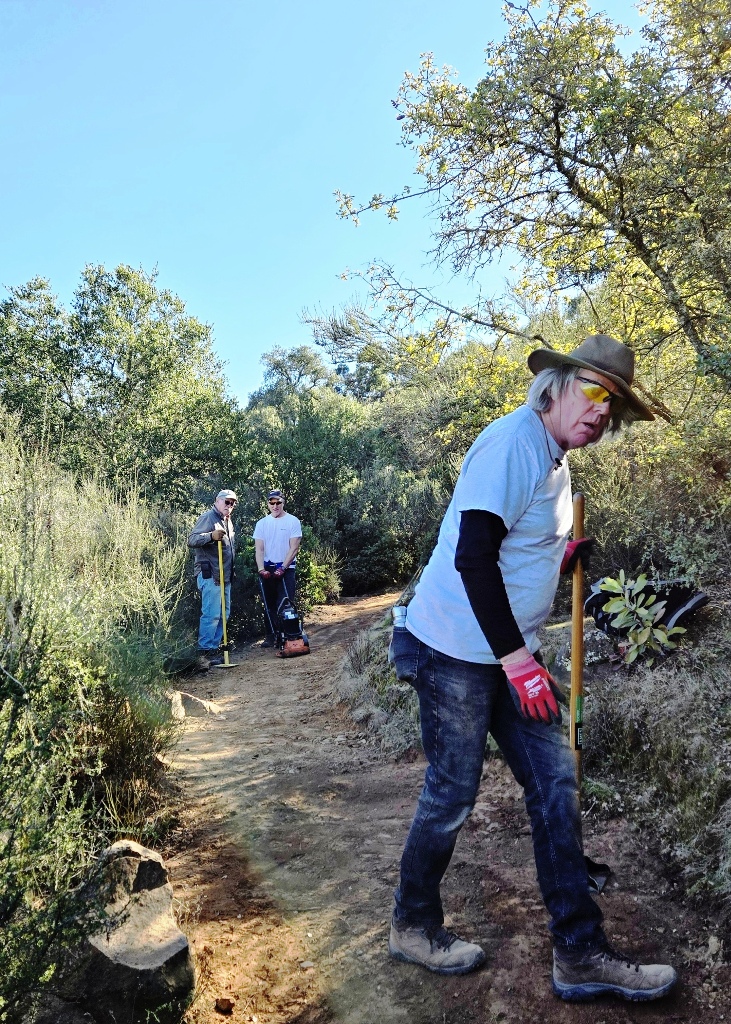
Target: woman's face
x=575 y=419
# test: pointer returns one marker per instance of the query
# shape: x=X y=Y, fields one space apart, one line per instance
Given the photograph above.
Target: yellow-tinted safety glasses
x=596 y=392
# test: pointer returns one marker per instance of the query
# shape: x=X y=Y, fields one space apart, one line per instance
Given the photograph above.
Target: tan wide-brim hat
x=604 y=355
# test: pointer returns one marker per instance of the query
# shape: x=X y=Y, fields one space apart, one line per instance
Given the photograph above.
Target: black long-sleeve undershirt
x=476 y=560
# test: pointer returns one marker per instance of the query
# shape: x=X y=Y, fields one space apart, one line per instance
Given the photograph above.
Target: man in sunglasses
x=469 y=646
x=213 y=526
x=277 y=539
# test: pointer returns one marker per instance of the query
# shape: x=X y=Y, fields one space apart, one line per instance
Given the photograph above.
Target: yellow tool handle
x=223 y=601
x=577 y=643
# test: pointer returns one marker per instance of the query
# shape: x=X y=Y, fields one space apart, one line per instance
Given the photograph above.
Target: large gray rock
x=196 y=707
x=139 y=960
x=185 y=705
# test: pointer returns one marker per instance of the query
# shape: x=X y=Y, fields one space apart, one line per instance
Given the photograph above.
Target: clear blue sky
x=207 y=138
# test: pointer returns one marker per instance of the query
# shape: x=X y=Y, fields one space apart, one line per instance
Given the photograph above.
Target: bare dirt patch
x=287 y=856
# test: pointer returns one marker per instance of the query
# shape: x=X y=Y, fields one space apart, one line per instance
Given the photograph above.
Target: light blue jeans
x=210 y=630
x=460 y=702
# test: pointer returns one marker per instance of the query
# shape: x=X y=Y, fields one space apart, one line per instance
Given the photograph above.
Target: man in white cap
x=277 y=539
x=469 y=647
x=213 y=526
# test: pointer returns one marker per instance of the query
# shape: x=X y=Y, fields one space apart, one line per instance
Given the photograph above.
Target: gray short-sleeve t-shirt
x=510 y=471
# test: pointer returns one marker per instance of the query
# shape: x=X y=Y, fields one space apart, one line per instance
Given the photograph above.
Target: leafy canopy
x=124 y=384
x=593 y=165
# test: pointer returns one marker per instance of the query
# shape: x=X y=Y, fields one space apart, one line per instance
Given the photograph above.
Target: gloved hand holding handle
x=575 y=550
x=533 y=689
x=264 y=573
x=279 y=571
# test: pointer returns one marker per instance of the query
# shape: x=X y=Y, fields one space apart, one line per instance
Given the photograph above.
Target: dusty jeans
x=460 y=702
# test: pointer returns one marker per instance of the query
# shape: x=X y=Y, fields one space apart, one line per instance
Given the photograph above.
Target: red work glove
x=279 y=572
x=533 y=690
x=575 y=550
x=264 y=573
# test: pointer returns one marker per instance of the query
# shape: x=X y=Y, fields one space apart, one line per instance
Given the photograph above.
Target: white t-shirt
x=510 y=471
x=276 y=534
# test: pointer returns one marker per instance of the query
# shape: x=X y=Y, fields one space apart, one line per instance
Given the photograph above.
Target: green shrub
x=318 y=572
x=87 y=594
x=637 y=609
x=387 y=524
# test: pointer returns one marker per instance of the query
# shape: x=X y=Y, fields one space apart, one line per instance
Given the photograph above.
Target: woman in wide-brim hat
x=469 y=645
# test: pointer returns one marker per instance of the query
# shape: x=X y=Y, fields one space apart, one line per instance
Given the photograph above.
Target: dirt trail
x=288 y=854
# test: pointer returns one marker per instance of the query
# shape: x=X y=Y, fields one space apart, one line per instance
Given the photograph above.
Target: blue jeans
x=210 y=629
x=460 y=702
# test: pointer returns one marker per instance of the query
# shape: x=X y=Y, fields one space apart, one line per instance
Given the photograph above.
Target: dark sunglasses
x=273 y=501
x=596 y=392
x=229 y=501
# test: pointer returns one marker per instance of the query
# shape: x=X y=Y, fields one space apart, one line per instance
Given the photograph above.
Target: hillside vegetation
x=89 y=585
x=606 y=169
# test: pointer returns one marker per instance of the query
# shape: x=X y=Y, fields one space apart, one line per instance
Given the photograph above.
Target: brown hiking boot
x=435 y=948
x=608 y=972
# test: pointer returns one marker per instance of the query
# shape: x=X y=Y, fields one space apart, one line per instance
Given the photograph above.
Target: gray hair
x=549 y=385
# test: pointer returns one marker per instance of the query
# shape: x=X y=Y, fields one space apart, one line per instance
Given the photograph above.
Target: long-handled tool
x=598 y=873
x=225 y=646
x=576 y=712
x=272 y=630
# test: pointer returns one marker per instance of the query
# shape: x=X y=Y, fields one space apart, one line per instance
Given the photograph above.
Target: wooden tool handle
x=577 y=641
